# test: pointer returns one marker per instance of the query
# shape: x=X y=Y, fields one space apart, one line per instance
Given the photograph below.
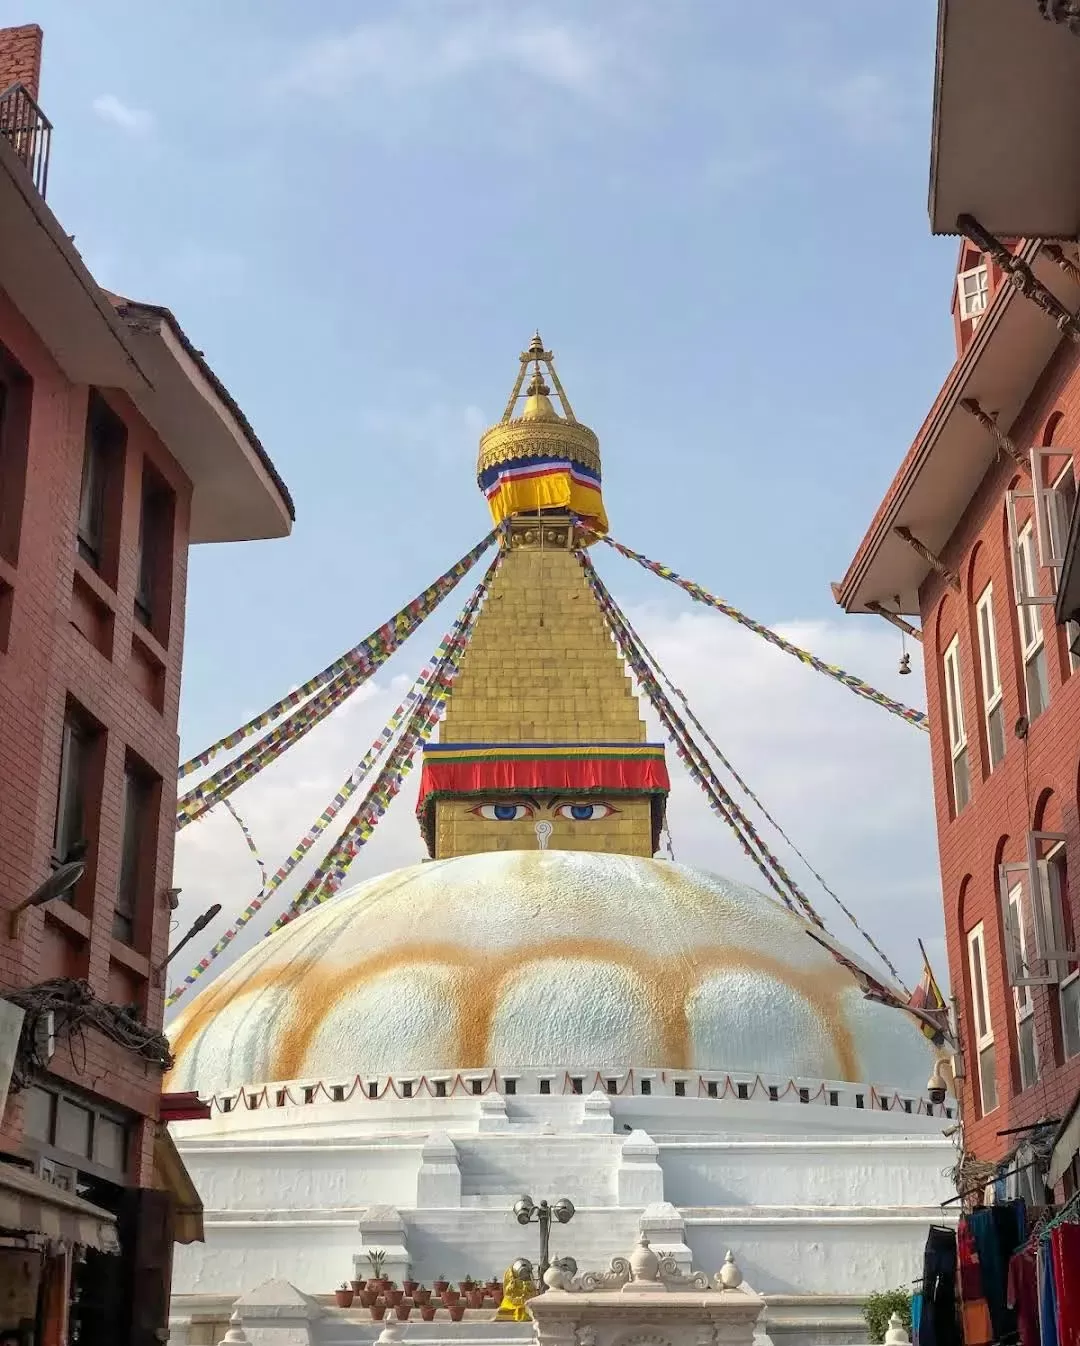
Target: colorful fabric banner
x=697 y=765
x=528 y=485
x=250 y=840
x=700 y=595
x=431 y=682
x=373 y=651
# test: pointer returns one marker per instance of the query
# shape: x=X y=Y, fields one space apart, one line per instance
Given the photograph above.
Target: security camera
x=172 y=896
x=935 y=1088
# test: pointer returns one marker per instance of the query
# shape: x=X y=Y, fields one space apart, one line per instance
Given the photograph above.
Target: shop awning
x=1066 y=1144
x=30 y=1205
x=171 y=1175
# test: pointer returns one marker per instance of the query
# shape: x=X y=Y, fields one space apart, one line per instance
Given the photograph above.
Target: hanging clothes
x=916 y=1317
x=974 y=1309
x=1024 y=1295
x=1048 y=1308
x=938 y=1324
x=1065 y=1251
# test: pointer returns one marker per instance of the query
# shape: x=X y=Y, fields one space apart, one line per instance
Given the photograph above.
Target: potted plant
x=427 y=1312
x=343 y=1296
x=880 y=1307
x=393 y=1297
x=440 y=1284
x=376 y=1261
x=457 y=1312
x=358 y=1286
x=378 y=1310
x=450 y=1297
x=403 y=1310
x=466 y=1285
x=367 y=1298
x=409 y=1286
x=494 y=1286
x=421 y=1296
x=477 y=1295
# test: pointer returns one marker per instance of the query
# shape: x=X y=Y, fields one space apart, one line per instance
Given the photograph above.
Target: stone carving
x=729 y=1277
x=642 y=1269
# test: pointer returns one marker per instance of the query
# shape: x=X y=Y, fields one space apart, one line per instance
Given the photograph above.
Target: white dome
x=520 y=959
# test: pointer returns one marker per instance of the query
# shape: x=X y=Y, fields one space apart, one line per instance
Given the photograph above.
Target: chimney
x=20 y=57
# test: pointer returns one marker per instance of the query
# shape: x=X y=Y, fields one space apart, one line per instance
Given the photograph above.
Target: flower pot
x=466 y=1285
x=358 y=1287
x=403 y=1310
x=378 y=1311
x=450 y=1297
x=476 y=1299
x=343 y=1299
x=420 y=1296
x=394 y=1297
x=410 y=1287
x=440 y=1287
x=427 y=1312
x=457 y=1312
x=367 y=1298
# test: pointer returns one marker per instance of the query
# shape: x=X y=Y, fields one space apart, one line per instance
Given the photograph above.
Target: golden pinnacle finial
x=536 y=346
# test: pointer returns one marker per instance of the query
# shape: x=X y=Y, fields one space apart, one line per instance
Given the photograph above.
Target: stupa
x=546 y=1006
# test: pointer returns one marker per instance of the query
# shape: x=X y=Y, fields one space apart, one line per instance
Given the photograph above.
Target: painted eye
x=502 y=813
x=584 y=813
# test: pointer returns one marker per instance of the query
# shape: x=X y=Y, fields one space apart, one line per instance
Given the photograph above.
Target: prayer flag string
x=700 y=595
x=449 y=648
x=365 y=657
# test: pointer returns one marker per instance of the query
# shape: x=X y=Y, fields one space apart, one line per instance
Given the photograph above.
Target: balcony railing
x=28 y=131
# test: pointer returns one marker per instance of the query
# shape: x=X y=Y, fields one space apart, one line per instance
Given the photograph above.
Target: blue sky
x=714 y=212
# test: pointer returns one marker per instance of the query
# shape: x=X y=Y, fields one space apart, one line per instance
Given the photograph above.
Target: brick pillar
x=20 y=57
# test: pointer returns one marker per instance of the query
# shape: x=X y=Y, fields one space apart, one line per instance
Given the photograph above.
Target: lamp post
x=526 y=1210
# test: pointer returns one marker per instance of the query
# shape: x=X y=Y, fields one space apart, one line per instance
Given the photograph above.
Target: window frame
x=969 y=313
x=137 y=833
x=990 y=670
x=72 y=786
x=1058 y=524
x=957 y=729
x=1033 y=645
x=104 y=445
x=980 y=1007
x=154 y=559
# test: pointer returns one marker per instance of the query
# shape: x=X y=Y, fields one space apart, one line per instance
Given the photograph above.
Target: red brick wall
x=48 y=659
x=1035 y=785
x=20 y=57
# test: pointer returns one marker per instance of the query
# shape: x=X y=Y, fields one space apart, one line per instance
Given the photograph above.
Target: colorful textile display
x=700 y=595
x=1065 y=1252
x=938 y=1323
x=974 y=1309
x=527 y=485
x=368 y=655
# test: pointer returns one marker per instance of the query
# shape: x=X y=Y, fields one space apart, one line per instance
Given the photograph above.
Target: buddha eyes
x=510 y=813
x=584 y=813
x=502 y=813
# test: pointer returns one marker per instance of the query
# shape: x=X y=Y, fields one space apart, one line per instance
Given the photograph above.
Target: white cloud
x=849 y=783
x=135 y=121
x=422 y=50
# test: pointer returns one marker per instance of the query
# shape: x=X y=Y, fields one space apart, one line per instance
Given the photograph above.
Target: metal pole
x=543 y=1215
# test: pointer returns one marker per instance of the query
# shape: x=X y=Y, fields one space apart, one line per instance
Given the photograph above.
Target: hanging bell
x=905 y=664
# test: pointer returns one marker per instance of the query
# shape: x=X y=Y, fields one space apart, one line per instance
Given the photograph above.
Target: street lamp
x=526 y=1210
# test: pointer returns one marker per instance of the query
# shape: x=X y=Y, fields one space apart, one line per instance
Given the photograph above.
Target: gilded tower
x=543 y=743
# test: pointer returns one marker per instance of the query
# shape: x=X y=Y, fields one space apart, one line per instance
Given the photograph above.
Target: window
x=1060 y=507
x=102 y=461
x=957 y=734
x=440 y=1088
x=138 y=833
x=1023 y=1002
x=509 y=1086
x=154 y=574
x=545 y=1086
x=680 y=1088
x=576 y=1084
x=476 y=1086
x=743 y=1090
x=711 y=1089
x=16 y=394
x=1031 y=630
x=1057 y=875
x=646 y=1086
x=613 y=1086
x=973 y=288
x=980 y=1013
x=406 y=1088
x=993 y=707
x=76 y=764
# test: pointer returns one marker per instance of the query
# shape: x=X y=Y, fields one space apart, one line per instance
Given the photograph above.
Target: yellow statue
x=518 y=1289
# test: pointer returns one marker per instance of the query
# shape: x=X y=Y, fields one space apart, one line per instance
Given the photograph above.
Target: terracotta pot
x=394 y=1297
x=358 y=1287
x=403 y=1310
x=440 y=1287
x=427 y=1312
x=450 y=1297
x=378 y=1311
x=494 y=1287
x=409 y=1287
x=367 y=1298
x=420 y=1296
x=343 y=1299
x=457 y=1312
x=476 y=1299
x=466 y=1285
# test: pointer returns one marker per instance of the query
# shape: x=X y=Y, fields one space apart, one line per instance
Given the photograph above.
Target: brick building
x=973 y=539
x=119 y=448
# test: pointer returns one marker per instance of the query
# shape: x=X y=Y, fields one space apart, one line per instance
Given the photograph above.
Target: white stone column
x=274 y=1314
x=438 y=1183
x=639 y=1175
x=382 y=1227
x=596 y=1113
x=665 y=1229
